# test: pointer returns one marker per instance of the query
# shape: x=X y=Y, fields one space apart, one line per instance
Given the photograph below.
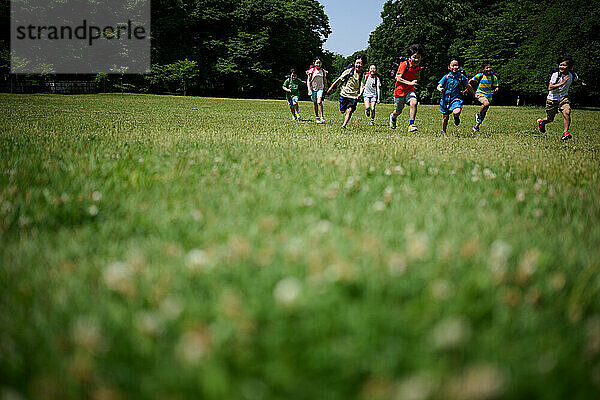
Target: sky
x=351 y=22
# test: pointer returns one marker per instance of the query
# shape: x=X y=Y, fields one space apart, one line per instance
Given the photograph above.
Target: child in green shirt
x=292 y=88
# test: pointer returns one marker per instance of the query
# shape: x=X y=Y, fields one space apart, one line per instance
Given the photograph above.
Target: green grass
x=160 y=247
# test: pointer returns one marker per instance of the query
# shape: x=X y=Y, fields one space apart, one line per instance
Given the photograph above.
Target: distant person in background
x=559 y=82
x=292 y=88
x=352 y=87
x=371 y=92
x=487 y=86
x=452 y=86
x=316 y=78
x=407 y=78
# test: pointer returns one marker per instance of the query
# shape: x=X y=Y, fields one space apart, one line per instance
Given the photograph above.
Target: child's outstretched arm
x=333 y=84
x=470 y=86
x=470 y=89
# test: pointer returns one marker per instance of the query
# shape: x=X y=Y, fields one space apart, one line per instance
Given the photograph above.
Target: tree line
x=245 y=48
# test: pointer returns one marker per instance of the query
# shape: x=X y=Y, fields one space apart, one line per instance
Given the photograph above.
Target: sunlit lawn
x=174 y=248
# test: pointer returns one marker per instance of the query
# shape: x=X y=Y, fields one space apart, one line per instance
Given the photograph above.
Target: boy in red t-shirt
x=407 y=77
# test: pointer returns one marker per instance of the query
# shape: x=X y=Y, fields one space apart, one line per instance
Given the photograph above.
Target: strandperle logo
x=85 y=32
x=80 y=36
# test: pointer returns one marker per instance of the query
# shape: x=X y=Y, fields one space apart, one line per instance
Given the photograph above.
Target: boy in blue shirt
x=452 y=85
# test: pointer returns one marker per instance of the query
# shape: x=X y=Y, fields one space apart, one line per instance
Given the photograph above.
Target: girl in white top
x=557 y=100
x=317 y=84
x=372 y=92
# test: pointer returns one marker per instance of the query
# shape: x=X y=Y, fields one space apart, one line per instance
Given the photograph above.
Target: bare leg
x=445 y=122
x=413 y=109
x=567 y=119
x=320 y=105
x=347 y=116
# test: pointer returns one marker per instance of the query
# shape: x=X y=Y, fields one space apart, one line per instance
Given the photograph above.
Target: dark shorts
x=347 y=103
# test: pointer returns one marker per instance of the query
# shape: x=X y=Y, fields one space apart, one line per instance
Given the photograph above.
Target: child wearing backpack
x=559 y=82
x=452 y=86
x=292 y=88
x=408 y=76
x=352 y=87
x=487 y=87
x=317 y=84
x=371 y=92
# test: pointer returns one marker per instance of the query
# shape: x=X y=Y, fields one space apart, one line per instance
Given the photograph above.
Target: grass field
x=157 y=247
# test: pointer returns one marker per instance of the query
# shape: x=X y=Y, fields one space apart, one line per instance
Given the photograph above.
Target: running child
x=558 y=100
x=352 y=86
x=371 y=92
x=407 y=78
x=488 y=86
x=292 y=88
x=452 y=86
x=317 y=84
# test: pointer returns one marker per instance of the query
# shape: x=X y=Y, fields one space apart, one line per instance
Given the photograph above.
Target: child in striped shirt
x=487 y=87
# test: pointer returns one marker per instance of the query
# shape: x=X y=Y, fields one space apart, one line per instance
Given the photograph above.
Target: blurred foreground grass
x=163 y=247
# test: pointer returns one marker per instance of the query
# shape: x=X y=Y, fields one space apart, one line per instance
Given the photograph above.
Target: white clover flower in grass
x=558 y=281
x=193 y=346
x=399 y=170
x=451 y=332
x=86 y=334
x=196 y=260
x=379 y=206
x=441 y=289
x=478 y=382
x=527 y=266
x=197 y=215
x=93 y=210
x=119 y=276
x=287 y=291
x=323 y=226
x=498 y=257
x=388 y=194
x=171 y=308
x=419 y=386
x=520 y=196
x=417 y=246
x=148 y=323
x=397 y=264
x=489 y=174
x=307 y=202
x=96 y=196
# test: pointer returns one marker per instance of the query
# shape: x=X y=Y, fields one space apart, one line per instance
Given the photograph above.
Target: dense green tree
x=525 y=45
x=243 y=47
